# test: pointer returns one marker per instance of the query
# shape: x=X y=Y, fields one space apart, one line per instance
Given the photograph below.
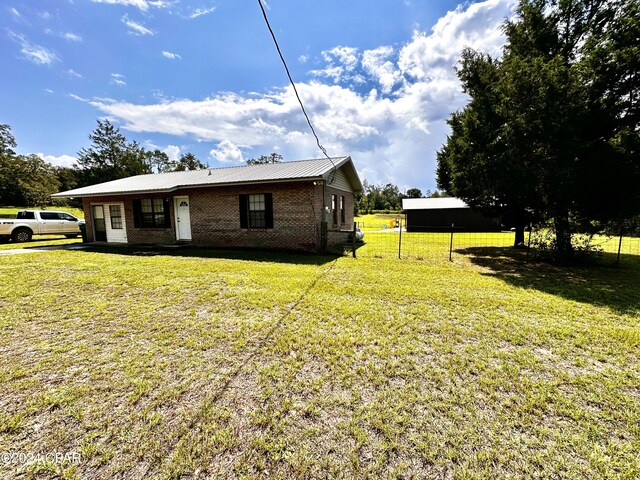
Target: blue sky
x=377 y=77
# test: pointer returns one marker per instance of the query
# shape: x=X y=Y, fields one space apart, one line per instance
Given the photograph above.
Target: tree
x=414 y=193
x=551 y=129
x=25 y=180
x=264 y=159
x=188 y=161
x=158 y=161
x=111 y=157
x=7 y=141
x=36 y=181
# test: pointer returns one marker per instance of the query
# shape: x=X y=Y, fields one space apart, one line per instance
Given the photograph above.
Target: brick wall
x=215 y=217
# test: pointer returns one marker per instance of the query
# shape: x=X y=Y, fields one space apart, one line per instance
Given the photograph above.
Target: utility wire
x=275 y=41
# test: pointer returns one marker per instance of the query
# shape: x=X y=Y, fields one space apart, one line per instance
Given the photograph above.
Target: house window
x=256 y=210
x=342 y=213
x=115 y=212
x=151 y=213
x=334 y=208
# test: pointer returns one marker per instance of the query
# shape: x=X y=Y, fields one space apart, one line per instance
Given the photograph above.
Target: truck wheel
x=21 y=235
x=72 y=235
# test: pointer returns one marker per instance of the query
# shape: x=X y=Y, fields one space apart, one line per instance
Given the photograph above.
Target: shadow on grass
x=252 y=255
x=598 y=282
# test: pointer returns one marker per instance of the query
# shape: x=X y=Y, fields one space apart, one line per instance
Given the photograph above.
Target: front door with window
x=99 y=226
x=183 y=218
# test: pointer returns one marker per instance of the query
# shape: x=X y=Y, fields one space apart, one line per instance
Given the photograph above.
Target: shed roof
x=317 y=169
x=432 y=203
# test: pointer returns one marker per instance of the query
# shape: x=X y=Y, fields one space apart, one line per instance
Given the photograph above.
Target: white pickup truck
x=39 y=222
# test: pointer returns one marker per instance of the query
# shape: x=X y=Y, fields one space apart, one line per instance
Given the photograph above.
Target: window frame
x=149 y=215
x=342 y=210
x=118 y=224
x=334 y=208
x=256 y=218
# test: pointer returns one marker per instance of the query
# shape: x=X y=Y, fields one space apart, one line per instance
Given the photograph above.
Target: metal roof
x=246 y=174
x=432 y=203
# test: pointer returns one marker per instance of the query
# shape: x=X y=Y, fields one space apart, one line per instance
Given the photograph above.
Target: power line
x=275 y=41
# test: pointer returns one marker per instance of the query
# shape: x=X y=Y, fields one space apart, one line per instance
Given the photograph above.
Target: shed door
x=99 y=226
x=183 y=218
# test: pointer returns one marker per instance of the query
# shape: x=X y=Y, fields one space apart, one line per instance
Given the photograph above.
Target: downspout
x=323 y=225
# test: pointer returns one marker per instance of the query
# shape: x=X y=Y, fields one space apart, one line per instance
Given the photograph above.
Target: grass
x=40 y=241
x=247 y=365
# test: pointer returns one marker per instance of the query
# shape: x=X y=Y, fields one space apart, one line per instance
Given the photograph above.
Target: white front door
x=183 y=218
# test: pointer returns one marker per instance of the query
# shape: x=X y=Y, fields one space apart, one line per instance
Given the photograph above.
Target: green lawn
x=245 y=365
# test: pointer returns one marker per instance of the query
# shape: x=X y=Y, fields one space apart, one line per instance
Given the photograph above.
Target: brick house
x=303 y=205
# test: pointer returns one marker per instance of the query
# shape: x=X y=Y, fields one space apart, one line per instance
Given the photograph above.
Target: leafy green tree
x=111 y=157
x=188 y=161
x=264 y=159
x=414 y=193
x=25 y=180
x=36 y=181
x=551 y=129
x=7 y=141
x=158 y=161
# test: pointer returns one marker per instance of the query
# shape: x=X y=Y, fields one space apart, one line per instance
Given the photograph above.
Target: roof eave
x=70 y=194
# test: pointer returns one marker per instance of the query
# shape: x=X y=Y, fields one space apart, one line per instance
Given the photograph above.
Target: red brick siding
x=215 y=216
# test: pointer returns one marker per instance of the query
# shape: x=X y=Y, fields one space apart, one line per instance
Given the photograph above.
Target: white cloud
x=136 y=28
x=377 y=64
x=171 y=56
x=33 y=52
x=347 y=56
x=72 y=37
x=341 y=62
x=15 y=12
x=227 y=152
x=73 y=73
x=392 y=131
x=478 y=27
x=141 y=4
x=303 y=58
x=172 y=151
x=118 y=79
x=198 y=12
x=59 y=161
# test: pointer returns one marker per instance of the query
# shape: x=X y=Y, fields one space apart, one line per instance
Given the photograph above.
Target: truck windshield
x=26 y=216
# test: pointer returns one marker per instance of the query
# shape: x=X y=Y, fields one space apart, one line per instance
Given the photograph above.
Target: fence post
x=400 y=239
x=529 y=243
x=353 y=239
x=619 y=245
x=451 y=244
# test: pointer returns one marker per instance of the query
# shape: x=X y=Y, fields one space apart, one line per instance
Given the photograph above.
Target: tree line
x=386 y=197
x=29 y=180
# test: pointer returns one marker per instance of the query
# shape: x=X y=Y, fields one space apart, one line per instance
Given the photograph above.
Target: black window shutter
x=268 y=210
x=137 y=213
x=167 y=213
x=244 y=208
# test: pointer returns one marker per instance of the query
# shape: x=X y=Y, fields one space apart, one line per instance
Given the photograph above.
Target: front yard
x=245 y=365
